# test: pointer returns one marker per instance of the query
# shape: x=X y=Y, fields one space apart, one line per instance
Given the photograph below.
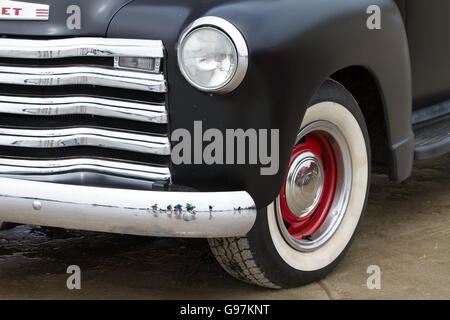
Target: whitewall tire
x=308 y=228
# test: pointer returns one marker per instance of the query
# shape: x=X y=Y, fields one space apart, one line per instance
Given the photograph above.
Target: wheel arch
x=363 y=86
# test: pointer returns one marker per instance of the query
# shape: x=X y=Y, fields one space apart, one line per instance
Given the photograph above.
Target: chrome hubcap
x=314 y=199
x=304 y=184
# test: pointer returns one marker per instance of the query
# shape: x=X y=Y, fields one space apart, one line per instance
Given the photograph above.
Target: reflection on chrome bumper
x=149 y=213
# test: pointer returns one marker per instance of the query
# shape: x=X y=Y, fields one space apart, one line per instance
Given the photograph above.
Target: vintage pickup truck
x=253 y=123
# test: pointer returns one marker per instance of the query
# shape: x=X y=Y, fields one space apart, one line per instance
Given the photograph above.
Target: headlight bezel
x=236 y=38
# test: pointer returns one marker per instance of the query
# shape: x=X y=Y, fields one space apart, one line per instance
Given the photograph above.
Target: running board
x=432 y=131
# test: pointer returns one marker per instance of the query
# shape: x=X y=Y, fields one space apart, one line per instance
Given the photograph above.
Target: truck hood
x=95 y=18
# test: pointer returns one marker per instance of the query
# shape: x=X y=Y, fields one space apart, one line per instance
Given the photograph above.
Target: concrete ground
x=406 y=232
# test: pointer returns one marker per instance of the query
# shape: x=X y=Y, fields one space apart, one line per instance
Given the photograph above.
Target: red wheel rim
x=301 y=228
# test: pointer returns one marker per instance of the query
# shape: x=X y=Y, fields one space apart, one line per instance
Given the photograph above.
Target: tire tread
x=235 y=256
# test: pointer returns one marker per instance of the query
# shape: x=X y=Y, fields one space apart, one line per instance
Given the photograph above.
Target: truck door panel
x=428 y=27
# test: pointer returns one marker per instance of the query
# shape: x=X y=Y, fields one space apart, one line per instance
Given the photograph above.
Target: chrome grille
x=51 y=101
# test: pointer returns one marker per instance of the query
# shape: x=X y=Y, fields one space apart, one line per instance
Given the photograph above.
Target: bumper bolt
x=37 y=205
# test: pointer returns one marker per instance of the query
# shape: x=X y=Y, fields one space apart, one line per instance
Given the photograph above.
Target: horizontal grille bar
x=79 y=47
x=83 y=105
x=60 y=76
x=48 y=167
x=70 y=137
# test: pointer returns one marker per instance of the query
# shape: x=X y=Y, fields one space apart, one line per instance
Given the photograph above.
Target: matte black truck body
x=293 y=45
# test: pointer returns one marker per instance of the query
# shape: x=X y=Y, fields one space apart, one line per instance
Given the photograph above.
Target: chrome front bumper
x=127 y=211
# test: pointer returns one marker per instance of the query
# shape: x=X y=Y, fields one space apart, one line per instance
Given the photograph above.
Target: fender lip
x=402 y=159
x=123 y=211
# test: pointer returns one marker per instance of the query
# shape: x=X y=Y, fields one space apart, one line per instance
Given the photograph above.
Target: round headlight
x=209 y=58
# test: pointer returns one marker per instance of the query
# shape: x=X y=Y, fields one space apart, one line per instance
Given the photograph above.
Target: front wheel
x=308 y=228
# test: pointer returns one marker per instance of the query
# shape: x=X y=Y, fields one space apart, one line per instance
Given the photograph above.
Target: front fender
x=293 y=47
